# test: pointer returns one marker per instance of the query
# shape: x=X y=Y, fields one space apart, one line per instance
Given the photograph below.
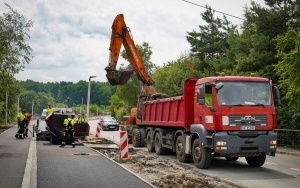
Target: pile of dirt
x=163 y=172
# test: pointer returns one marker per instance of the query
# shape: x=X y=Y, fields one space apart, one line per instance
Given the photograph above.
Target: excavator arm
x=121 y=35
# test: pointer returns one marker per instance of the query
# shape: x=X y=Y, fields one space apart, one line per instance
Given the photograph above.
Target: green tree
x=288 y=47
x=209 y=45
x=255 y=48
x=169 y=78
x=14 y=54
x=14 y=51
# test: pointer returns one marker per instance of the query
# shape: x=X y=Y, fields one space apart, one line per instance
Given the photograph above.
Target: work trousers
x=20 y=133
x=68 y=133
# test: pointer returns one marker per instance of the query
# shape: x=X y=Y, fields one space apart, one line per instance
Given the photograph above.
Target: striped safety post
x=98 y=130
x=123 y=145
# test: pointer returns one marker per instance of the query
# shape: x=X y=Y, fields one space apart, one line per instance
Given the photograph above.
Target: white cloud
x=70 y=38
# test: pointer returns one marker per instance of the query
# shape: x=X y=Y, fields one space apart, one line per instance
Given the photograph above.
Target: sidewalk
x=288 y=151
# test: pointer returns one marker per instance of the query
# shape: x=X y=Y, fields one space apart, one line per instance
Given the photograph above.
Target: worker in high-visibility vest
x=69 y=131
x=21 y=124
x=49 y=109
x=208 y=99
x=82 y=119
x=27 y=121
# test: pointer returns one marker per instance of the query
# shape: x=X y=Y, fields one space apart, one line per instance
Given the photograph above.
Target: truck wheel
x=136 y=138
x=180 y=150
x=158 y=145
x=150 y=145
x=201 y=155
x=256 y=161
x=231 y=158
x=143 y=137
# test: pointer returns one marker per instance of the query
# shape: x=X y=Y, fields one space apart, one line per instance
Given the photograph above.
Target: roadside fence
x=288 y=138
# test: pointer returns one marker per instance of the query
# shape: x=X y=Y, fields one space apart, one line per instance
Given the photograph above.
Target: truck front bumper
x=245 y=143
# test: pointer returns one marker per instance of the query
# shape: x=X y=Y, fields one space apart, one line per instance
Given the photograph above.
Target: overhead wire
x=214 y=10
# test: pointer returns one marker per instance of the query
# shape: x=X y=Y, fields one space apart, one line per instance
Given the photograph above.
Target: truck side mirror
x=201 y=95
x=276 y=93
x=219 y=86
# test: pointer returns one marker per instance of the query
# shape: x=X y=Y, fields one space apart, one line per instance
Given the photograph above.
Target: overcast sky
x=70 y=38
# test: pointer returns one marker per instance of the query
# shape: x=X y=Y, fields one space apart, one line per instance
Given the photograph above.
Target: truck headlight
x=221 y=145
x=225 y=120
x=273 y=144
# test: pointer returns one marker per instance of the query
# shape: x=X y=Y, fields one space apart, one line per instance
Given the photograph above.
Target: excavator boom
x=121 y=35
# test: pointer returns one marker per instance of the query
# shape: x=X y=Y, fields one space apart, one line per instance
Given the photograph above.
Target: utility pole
x=32 y=109
x=81 y=104
x=6 y=99
x=88 y=99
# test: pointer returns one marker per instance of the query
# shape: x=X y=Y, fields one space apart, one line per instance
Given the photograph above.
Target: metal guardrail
x=288 y=138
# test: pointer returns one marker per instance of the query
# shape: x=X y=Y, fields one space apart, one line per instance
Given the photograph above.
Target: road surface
x=280 y=171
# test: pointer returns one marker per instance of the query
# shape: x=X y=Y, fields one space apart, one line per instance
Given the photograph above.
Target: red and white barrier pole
x=98 y=130
x=123 y=145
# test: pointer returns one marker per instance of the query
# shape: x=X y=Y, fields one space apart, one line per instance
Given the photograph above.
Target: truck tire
x=136 y=138
x=159 y=149
x=180 y=150
x=232 y=158
x=257 y=161
x=150 y=145
x=143 y=137
x=201 y=155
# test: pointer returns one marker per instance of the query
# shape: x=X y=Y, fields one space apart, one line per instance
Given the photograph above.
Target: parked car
x=108 y=123
x=43 y=115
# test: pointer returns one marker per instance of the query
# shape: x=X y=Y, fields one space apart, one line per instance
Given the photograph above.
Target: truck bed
x=173 y=111
x=164 y=112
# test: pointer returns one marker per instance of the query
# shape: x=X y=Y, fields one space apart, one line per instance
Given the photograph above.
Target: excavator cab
x=118 y=77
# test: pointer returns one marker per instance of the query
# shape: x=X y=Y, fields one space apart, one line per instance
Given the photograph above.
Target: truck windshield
x=244 y=93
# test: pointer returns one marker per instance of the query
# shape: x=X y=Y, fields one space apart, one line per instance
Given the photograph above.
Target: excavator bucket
x=119 y=77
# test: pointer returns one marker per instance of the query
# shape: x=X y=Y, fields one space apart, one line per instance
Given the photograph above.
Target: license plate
x=112 y=127
x=247 y=128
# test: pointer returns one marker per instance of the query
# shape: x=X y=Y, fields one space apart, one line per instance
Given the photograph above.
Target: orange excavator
x=121 y=35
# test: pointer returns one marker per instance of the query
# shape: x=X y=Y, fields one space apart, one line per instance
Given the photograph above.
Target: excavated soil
x=163 y=172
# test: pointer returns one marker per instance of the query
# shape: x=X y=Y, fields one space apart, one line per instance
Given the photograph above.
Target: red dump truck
x=240 y=120
x=221 y=116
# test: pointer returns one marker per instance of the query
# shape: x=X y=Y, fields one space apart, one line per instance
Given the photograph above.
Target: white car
x=43 y=115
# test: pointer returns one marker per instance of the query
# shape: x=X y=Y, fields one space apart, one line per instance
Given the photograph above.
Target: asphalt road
x=30 y=163
x=13 y=158
x=283 y=170
x=80 y=167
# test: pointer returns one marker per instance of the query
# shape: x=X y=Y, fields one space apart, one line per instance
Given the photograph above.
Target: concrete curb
x=30 y=174
x=288 y=151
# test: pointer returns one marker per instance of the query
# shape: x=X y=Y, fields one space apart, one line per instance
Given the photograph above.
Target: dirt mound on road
x=165 y=172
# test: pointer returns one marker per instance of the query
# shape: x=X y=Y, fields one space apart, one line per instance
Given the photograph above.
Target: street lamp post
x=6 y=103
x=81 y=104
x=88 y=99
x=32 y=109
